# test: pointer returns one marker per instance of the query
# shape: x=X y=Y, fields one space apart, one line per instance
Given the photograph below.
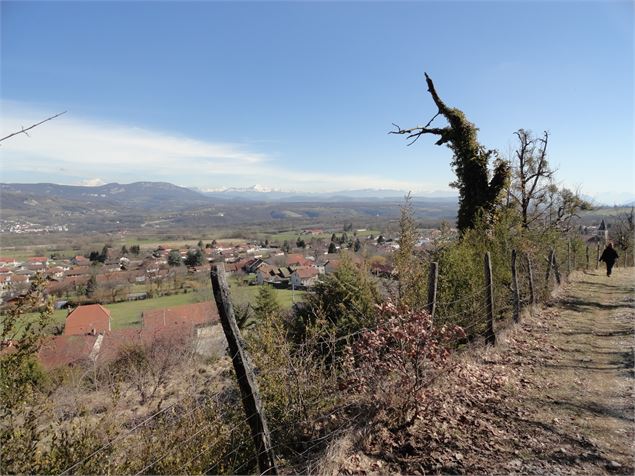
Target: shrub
x=389 y=368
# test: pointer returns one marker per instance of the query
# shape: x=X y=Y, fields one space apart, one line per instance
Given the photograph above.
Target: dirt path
x=580 y=381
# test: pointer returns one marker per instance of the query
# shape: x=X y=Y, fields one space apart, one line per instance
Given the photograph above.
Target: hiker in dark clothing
x=609 y=256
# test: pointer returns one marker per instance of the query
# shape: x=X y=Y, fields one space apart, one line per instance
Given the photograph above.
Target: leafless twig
x=23 y=130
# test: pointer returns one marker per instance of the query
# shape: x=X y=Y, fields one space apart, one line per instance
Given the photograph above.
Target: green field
x=242 y=294
x=128 y=314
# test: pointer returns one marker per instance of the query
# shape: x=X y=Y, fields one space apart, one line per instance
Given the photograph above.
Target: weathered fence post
x=587 y=257
x=433 y=280
x=549 y=266
x=532 y=294
x=556 y=268
x=244 y=373
x=490 y=337
x=516 y=290
x=568 y=258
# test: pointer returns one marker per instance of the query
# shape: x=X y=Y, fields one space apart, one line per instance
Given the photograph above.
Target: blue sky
x=301 y=95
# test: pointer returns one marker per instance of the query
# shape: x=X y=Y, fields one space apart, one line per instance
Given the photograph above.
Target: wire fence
x=216 y=438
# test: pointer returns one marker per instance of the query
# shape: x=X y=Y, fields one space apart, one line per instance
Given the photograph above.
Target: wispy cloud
x=80 y=149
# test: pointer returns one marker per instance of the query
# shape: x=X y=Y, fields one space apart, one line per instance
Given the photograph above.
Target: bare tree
x=531 y=176
x=623 y=230
x=563 y=206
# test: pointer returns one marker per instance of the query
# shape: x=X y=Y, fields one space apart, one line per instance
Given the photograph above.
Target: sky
x=302 y=95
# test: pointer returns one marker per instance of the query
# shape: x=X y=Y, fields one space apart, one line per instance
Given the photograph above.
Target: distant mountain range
x=138 y=195
x=162 y=205
x=260 y=193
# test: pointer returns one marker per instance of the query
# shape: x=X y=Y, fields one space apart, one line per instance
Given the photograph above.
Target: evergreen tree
x=194 y=257
x=333 y=238
x=267 y=305
x=174 y=258
x=381 y=240
x=286 y=247
x=124 y=250
x=300 y=243
x=91 y=286
x=135 y=249
x=357 y=245
x=332 y=248
x=342 y=303
x=200 y=244
x=104 y=254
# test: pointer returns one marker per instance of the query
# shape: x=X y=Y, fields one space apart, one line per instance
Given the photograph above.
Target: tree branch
x=23 y=131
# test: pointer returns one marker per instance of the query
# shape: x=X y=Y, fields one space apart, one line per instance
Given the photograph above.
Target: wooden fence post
x=597 y=257
x=548 y=275
x=587 y=257
x=532 y=294
x=556 y=268
x=433 y=280
x=516 y=290
x=568 y=258
x=490 y=337
x=244 y=373
x=575 y=258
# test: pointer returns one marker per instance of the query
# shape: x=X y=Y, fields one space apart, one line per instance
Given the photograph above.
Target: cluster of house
x=291 y=270
x=88 y=336
x=71 y=275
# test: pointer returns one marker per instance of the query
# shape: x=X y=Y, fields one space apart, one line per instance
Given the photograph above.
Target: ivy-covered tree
x=478 y=193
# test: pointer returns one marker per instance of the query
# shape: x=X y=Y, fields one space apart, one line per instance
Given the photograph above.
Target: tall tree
x=478 y=194
x=411 y=285
x=531 y=176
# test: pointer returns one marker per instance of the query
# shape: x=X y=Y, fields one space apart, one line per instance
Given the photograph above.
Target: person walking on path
x=609 y=256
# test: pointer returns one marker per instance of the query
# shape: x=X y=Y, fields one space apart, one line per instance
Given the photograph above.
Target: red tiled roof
x=306 y=273
x=84 y=319
x=298 y=260
x=57 y=351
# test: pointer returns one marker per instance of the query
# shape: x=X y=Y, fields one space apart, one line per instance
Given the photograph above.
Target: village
x=105 y=301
